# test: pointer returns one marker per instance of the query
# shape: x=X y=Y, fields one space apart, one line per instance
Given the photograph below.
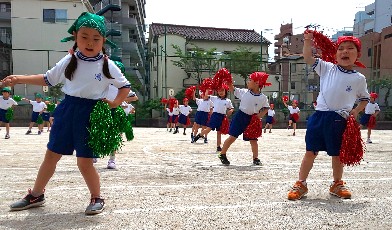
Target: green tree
x=196 y=61
x=55 y=91
x=383 y=83
x=242 y=62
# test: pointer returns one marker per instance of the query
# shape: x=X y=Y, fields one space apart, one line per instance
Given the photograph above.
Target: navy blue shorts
x=216 y=121
x=169 y=119
x=182 y=119
x=174 y=118
x=70 y=127
x=365 y=119
x=3 y=112
x=34 y=116
x=325 y=132
x=239 y=123
x=201 y=118
x=45 y=116
x=269 y=120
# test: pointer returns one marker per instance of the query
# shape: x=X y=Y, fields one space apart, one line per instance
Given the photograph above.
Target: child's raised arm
x=307 y=49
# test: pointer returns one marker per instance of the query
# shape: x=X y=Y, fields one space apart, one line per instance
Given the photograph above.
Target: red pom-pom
x=207 y=84
x=189 y=92
x=224 y=129
x=353 y=147
x=285 y=98
x=222 y=77
x=176 y=120
x=253 y=131
x=164 y=101
x=294 y=116
x=372 y=122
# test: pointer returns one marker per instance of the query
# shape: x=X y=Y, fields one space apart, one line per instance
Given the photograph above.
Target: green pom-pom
x=9 y=115
x=122 y=122
x=104 y=136
x=128 y=127
x=17 y=98
x=40 y=121
x=50 y=107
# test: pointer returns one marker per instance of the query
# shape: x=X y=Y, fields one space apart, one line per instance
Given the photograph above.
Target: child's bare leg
x=90 y=175
x=337 y=168
x=369 y=132
x=255 y=148
x=7 y=128
x=31 y=125
x=45 y=172
x=218 y=138
x=306 y=165
x=226 y=145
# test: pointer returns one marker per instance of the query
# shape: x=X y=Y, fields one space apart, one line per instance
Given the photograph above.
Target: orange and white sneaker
x=297 y=191
x=339 y=189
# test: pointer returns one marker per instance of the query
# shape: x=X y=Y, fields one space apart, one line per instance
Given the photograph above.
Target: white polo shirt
x=371 y=108
x=271 y=112
x=88 y=80
x=339 y=88
x=38 y=106
x=292 y=109
x=127 y=107
x=221 y=105
x=204 y=105
x=251 y=103
x=185 y=109
x=7 y=103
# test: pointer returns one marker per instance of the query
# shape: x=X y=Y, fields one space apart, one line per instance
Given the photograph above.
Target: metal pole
x=261 y=50
x=165 y=62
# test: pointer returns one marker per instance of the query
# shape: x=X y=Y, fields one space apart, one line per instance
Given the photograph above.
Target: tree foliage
x=242 y=62
x=196 y=61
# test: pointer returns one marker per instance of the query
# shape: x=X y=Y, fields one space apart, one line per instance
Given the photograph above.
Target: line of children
x=38 y=108
x=46 y=116
x=204 y=106
x=87 y=75
x=253 y=103
x=368 y=119
x=270 y=120
x=222 y=107
x=340 y=87
x=294 y=114
x=6 y=102
x=185 y=110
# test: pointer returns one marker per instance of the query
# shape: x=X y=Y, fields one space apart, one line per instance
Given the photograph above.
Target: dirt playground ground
x=162 y=181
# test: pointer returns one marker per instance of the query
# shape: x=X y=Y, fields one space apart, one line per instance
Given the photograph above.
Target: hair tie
x=71 y=51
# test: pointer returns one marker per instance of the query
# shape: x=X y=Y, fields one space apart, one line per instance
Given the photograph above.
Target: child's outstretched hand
x=308 y=35
x=9 y=81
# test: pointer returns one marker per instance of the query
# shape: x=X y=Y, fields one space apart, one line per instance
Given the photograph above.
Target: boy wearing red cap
x=270 y=119
x=185 y=110
x=340 y=87
x=294 y=114
x=368 y=119
x=246 y=121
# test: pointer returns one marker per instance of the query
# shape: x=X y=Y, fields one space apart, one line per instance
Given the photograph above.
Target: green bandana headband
x=120 y=65
x=89 y=20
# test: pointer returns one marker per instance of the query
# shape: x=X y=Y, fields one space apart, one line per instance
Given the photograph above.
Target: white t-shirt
x=185 y=109
x=7 y=103
x=38 y=106
x=339 y=88
x=170 y=113
x=113 y=91
x=371 y=108
x=293 y=110
x=127 y=107
x=251 y=103
x=204 y=105
x=271 y=112
x=88 y=80
x=176 y=111
x=221 y=105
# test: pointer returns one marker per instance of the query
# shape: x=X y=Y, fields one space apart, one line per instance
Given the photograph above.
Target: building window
x=4 y=7
x=369 y=52
x=292 y=85
x=132 y=8
x=293 y=67
x=55 y=15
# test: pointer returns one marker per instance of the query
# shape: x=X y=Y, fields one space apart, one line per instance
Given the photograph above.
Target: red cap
x=352 y=39
x=374 y=95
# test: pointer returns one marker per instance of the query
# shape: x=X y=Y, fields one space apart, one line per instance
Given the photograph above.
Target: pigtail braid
x=105 y=67
x=71 y=67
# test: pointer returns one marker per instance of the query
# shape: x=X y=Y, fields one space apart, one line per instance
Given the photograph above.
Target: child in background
x=253 y=103
x=340 y=87
x=222 y=106
x=294 y=114
x=185 y=110
x=46 y=116
x=169 y=123
x=270 y=119
x=86 y=74
x=51 y=119
x=368 y=119
x=176 y=113
x=38 y=108
x=6 y=102
x=204 y=105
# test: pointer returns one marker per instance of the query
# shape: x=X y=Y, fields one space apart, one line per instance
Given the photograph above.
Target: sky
x=259 y=15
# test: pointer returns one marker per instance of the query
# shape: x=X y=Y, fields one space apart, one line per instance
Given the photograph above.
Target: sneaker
x=197 y=137
x=270 y=131
x=184 y=133
x=265 y=130
x=170 y=130
x=218 y=149
x=175 y=132
x=95 y=160
x=205 y=141
x=28 y=132
x=297 y=191
x=338 y=189
x=111 y=164
x=293 y=133
x=29 y=201
x=256 y=161
x=95 y=206
x=369 y=141
x=224 y=159
x=7 y=136
x=39 y=132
